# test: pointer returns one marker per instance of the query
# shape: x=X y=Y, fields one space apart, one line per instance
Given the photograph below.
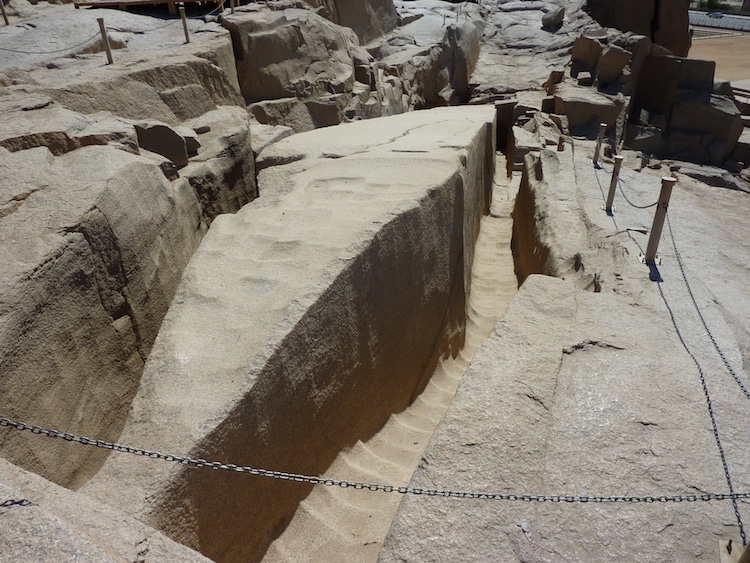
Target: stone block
x=586 y=52
x=643 y=138
x=612 y=62
x=553 y=19
x=585 y=79
x=585 y=107
x=708 y=113
x=162 y=139
x=696 y=75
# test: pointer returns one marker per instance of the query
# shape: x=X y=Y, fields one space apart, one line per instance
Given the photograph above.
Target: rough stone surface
x=368 y=19
x=60 y=525
x=553 y=19
x=348 y=277
x=577 y=400
x=154 y=75
x=664 y=21
x=59 y=129
x=93 y=245
x=703 y=112
x=291 y=53
x=584 y=107
x=514 y=39
x=96 y=228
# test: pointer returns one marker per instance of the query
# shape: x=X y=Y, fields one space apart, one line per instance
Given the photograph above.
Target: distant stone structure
x=665 y=22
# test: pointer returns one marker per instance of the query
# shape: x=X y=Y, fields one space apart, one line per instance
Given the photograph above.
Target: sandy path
x=732 y=55
x=344 y=525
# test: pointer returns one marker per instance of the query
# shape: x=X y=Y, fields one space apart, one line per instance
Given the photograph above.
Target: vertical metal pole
x=105 y=38
x=231 y=5
x=661 y=211
x=5 y=16
x=184 y=24
x=599 y=139
x=613 y=183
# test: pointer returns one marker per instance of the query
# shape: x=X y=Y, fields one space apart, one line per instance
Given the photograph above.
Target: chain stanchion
x=184 y=24
x=599 y=140
x=105 y=39
x=667 y=183
x=613 y=184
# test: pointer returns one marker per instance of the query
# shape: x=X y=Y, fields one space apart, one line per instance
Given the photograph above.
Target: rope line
x=404 y=490
x=51 y=52
x=619 y=185
x=171 y=22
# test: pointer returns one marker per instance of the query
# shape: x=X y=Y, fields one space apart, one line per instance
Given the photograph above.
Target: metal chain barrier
x=700 y=314
x=701 y=373
x=16 y=502
x=625 y=197
x=709 y=406
x=315 y=480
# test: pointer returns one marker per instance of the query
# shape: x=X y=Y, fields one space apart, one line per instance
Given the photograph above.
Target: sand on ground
x=731 y=53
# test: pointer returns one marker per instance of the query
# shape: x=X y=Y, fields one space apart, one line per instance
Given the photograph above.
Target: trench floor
x=344 y=525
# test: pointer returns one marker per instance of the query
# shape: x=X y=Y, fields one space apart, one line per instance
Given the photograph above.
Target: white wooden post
x=105 y=38
x=613 y=183
x=184 y=24
x=599 y=139
x=661 y=212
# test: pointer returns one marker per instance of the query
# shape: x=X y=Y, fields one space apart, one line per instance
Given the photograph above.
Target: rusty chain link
x=315 y=480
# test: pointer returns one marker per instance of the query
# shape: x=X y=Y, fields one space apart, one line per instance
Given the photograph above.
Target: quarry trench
x=340 y=525
x=352 y=332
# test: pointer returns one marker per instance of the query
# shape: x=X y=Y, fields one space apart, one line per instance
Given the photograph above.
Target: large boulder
x=705 y=113
x=94 y=243
x=291 y=53
x=369 y=19
x=585 y=107
x=297 y=312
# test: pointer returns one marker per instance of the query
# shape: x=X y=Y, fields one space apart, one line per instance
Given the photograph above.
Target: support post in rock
x=5 y=16
x=231 y=5
x=661 y=212
x=184 y=24
x=599 y=139
x=221 y=6
x=105 y=39
x=613 y=184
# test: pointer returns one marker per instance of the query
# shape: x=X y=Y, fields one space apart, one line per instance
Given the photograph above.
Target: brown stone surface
x=60 y=525
x=664 y=21
x=585 y=388
x=298 y=312
x=95 y=227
